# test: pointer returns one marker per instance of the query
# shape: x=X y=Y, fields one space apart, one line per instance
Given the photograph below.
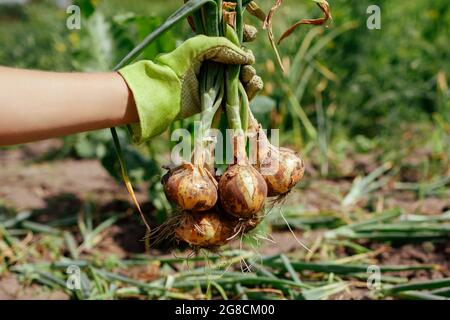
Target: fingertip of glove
x=247 y=73
x=250 y=56
x=258 y=82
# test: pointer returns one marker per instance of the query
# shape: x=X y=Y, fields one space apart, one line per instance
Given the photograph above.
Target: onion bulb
x=243 y=191
x=190 y=187
x=281 y=168
x=204 y=229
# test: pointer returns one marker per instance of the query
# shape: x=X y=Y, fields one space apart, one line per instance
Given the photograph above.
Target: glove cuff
x=156 y=90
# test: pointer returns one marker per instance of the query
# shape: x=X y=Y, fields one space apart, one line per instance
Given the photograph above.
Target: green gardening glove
x=168 y=88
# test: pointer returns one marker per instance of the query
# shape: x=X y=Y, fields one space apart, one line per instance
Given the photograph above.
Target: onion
x=190 y=187
x=288 y=167
x=281 y=168
x=204 y=229
x=242 y=191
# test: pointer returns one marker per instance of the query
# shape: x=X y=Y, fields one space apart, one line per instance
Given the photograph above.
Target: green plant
x=222 y=87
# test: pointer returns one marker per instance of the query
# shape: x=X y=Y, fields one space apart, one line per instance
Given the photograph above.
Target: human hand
x=168 y=88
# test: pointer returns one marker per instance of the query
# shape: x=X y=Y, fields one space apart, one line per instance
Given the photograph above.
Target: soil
x=12 y=289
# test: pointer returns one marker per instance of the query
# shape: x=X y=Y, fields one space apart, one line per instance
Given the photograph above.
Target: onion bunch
x=215 y=209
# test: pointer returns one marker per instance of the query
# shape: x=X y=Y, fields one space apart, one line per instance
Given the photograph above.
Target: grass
x=46 y=259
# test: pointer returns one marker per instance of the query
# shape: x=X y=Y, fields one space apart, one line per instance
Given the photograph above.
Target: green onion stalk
x=233 y=101
x=208 y=21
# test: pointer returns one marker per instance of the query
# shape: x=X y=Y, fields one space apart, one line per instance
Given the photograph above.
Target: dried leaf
x=256 y=11
x=190 y=20
x=229 y=6
x=129 y=186
x=230 y=18
x=324 y=6
x=191 y=23
x=269 y=18
x=269 y=27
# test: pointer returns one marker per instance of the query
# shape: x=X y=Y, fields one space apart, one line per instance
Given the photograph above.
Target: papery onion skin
x=204 y=229
x=190 y=188
x=282 y=170
x=243 y=191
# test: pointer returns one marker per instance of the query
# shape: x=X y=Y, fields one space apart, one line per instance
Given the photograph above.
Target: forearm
x=37 y=105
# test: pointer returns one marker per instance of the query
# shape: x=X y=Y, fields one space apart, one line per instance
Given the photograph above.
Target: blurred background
x=369 y=111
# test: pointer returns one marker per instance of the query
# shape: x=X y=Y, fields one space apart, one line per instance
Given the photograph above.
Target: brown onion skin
x=281 y=168
x=190 y=188
x=243 y=191
x=204 y=229
x=289 y=169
